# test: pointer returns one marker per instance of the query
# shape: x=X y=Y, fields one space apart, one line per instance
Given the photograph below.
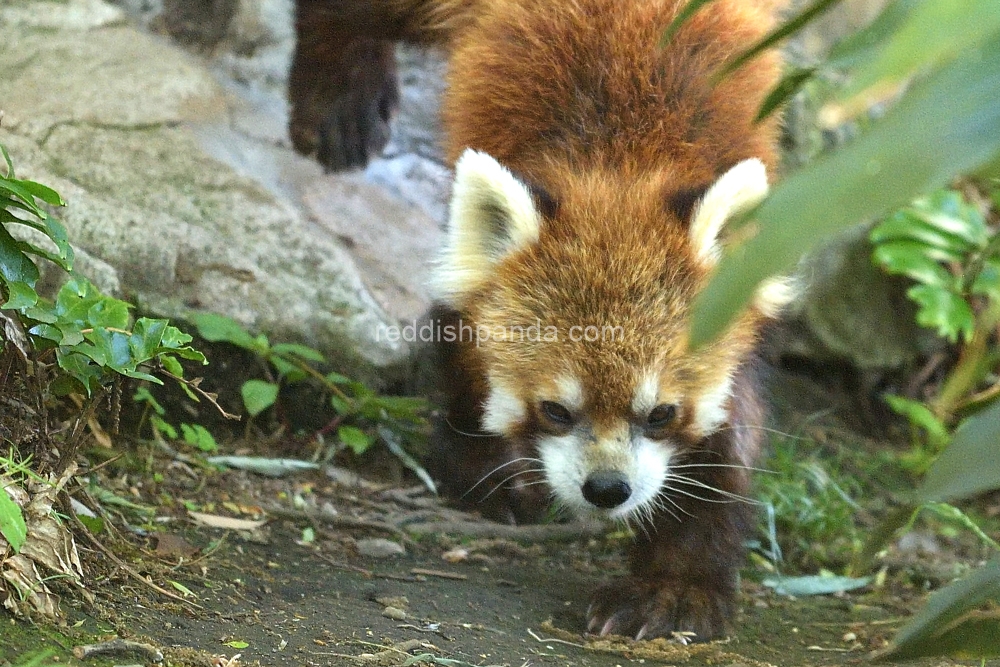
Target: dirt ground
x=278 y=595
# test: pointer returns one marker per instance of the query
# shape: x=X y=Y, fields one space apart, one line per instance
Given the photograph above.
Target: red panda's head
x=579 y=316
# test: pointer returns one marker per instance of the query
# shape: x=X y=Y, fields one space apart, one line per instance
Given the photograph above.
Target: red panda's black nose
x=606 y=489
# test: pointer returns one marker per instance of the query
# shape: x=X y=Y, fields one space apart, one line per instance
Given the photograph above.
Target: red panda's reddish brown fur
x=594 y=172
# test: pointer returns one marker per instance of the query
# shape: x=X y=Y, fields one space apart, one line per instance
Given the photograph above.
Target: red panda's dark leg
x=342 y=88
x=684 y=566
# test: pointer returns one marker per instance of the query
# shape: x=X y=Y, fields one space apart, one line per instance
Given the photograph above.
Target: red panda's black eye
x=556 y=413
x=661 y=416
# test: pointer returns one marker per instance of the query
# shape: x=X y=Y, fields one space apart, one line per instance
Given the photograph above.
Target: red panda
x=594 y=171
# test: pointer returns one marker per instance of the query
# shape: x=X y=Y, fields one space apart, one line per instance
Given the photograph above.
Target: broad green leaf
x=75 y=299
x=12 y=525
x=948 y=211
x=108 y=313
x=969 y=465
x=909 y=258
x=947 y=124
x=862 y=46
x=219 y=328
x=946 y=312
x=15 y=266
x=354 y=439
x=932 y=33
x=301 y=351
x=258 y=396
x=934 y=629
x=20 y=295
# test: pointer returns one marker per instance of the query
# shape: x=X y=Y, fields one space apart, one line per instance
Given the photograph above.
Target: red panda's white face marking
x=583 y=471
x=503 y=409
x=711 y=409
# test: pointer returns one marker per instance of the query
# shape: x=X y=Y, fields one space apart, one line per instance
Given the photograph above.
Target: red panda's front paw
x=644 y=609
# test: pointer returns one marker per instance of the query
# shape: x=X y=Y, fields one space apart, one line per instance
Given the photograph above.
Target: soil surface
x=298 y=591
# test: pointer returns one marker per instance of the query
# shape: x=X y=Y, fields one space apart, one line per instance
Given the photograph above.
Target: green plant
x=193 y=435
x=810 y=506
x=90 y=335
x=362 y=415
x=941 y=60
x=80 y=344
x=944 y=245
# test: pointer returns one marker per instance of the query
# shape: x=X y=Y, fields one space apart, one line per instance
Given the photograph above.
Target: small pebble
x=394 y=613
x=380 y=548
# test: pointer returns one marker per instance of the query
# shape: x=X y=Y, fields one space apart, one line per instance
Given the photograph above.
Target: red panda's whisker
x=469 y=434
x=500 y=484
x=733 y=497
x=685 y=466
x=500 y=467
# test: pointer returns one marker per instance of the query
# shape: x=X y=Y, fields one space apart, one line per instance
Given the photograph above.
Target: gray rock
x=181 y=196
x=378 y=547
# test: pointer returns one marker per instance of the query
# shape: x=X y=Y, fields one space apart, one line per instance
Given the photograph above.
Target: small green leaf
x=184 y=590
x=143 y=395
x=221 y=329
x=946 y=312
x=19 y=296
x=198 y=436
x=354 y=438
x=301 y=351
x=43 y=192
x=921 y=416
x=12 y=525
x=171 y=365
x=162 y=427
x=15 y=266
x=258 y=395
x=237 y=644
x=969 y=465
x=910 y=259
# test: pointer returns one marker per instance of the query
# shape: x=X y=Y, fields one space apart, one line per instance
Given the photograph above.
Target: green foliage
x=396 y=420
x=947 y=123
x=811 y=503
x=12 y=525
x=193 y=435
x=943 y=244
x=941 y=58
x=90 y=334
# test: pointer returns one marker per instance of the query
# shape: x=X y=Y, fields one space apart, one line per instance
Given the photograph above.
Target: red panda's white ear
x=737 y=191
x=492 y=214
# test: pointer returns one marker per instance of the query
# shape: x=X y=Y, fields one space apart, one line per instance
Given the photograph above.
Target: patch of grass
x=809 y=513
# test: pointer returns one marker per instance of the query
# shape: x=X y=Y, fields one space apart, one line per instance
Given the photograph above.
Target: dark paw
x=353 y=131
x=645 y=609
